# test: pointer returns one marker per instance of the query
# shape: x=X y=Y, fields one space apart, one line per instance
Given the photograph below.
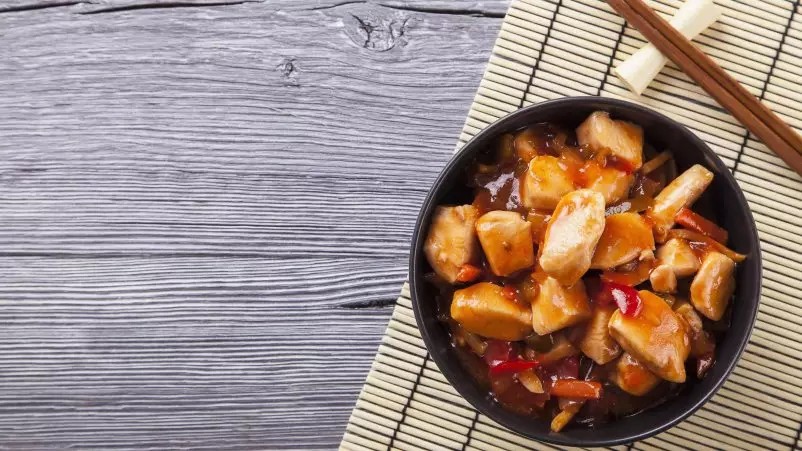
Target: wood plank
x=484 y=8
x=185 y=350
x=159 y=115
x=206 y=210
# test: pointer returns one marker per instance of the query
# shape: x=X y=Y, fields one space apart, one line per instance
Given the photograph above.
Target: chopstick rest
x=692 y=18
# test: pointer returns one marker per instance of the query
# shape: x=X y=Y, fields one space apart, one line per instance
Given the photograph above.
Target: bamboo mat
x=550 y=49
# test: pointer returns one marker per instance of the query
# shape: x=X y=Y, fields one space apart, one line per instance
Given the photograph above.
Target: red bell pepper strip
x=572 y=388
x=501 y=360
x=691 y=220
x=513 y=366
x=625 y=297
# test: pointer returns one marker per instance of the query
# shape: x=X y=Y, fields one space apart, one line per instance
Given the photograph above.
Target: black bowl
x=727 y=205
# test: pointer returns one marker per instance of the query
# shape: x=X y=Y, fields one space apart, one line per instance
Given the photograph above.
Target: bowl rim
x=465 y=153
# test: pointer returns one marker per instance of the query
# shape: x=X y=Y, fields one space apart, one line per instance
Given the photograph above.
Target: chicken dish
x=584 y=282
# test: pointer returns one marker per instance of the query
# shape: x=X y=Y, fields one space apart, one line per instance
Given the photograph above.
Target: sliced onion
x=531 y=382
x=690 y=235
x=655 y=162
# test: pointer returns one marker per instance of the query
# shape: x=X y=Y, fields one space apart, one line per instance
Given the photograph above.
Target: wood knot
x=288 y=68
x=379 y=34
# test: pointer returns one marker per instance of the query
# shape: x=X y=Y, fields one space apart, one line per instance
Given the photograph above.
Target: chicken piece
x=597 y=343
x=678 y=255
x=663 y=279
x=483 y=309
x=572 y=235
x=623 y=140
x=702 y=343
x=713 y=285
x=612 y=183
x=545 y=182
x=451 y=242
x=681 y=192
x=557 y=307
x=656 y=337
x=626 y=236
x=632 y=377
x=506 y=239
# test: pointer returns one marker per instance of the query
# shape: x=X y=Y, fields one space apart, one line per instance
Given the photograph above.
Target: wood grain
x=206 y=208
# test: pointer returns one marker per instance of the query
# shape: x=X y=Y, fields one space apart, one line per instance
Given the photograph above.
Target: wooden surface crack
x=33 y=7
x=138 y=6
x=377 y=303
x=95 y=7
x=472 y=12
x=337 y=5
x=450 y=11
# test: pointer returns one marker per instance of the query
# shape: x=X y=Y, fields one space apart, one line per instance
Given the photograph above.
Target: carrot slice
x=468 y=273
x=694 y=221
x=571 y=388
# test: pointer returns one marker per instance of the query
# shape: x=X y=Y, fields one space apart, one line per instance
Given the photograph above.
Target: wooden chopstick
x=745 y=107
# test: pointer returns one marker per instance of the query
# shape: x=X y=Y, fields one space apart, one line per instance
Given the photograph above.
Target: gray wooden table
x=206 y=207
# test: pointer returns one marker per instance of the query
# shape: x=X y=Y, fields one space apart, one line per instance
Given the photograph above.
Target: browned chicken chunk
x=506 y=239
x=623 y=140
x=678 y=255
x=632 y=376
x=451 y=242
x=626 y=236
x=557 y=307
x=612 y=183
x=597 y=343
x=545 y=182
x=663 y=279
x=483 y=309
x=656 y=337
x=681 y=192
x=572 y=235
x=701 y=342
x=713 y=285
